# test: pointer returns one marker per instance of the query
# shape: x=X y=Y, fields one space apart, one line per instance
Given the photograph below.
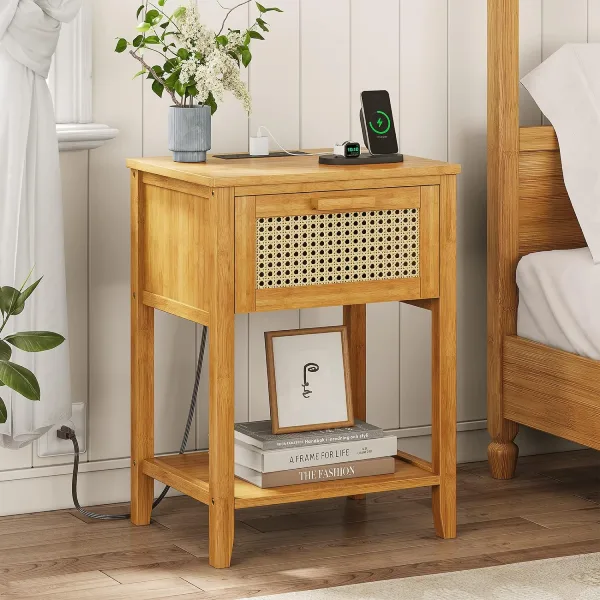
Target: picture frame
x=299 y=399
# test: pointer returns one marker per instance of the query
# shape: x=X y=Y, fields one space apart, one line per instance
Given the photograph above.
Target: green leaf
x=152 y=39
x=9 y=297
x=246 y=57
x=161 y=2
x=183 y=54
x=5 y=351
x=255 y=35
x=158 y=70
x=121 y=46
x=158 y=88
x=143 y=26
x=142 y=72
x=262 y=24
x=235 y=57
x=180 y=12
x=164 y=25
x=192 y=90
x=24 y=295
x=139 y=11
x=151 y=16
x=138 y=41
x=180 y=88
x=222 y=40
x=3 y=412
x=261 y=8
x=170 y=65
x=273 y=9
x=210 y=101
x=247 y=38
x=35 y=341
x=20 y=379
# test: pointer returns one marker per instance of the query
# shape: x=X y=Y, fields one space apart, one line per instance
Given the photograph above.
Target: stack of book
x=268 y=460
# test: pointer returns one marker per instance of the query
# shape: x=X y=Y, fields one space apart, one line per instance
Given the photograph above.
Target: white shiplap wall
x=305 y=82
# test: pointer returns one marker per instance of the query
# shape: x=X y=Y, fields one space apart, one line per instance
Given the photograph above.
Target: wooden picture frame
x=279 y=425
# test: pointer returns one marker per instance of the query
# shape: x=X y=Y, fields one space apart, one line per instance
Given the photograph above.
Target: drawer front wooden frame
x=250 y=208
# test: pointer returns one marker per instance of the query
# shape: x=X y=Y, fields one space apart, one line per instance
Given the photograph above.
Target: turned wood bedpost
x=503 y=220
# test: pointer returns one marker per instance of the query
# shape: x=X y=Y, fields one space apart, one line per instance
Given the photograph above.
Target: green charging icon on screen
x=382 y=123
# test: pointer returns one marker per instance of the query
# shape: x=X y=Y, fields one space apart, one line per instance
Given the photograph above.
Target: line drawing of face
x=308 y=368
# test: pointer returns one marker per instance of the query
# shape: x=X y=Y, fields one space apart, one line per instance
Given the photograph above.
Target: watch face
x=352 y=150
x=378 y=125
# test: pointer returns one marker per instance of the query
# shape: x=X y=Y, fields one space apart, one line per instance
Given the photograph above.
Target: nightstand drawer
x=301 y=250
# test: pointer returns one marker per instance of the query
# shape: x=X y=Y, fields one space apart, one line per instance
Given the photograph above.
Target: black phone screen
x=378 y=122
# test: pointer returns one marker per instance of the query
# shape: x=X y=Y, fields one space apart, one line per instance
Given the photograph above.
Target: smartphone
x=377 y=122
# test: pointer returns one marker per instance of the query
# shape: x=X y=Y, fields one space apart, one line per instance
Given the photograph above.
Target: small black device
x=377 y=122
x=347 y=150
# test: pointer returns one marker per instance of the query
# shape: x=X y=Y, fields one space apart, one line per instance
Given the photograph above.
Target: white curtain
x=31 y=214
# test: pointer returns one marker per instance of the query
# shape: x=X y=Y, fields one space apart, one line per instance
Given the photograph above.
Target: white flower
x=209 y=65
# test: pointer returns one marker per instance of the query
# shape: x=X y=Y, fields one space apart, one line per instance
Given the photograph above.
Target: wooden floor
x=551 y=509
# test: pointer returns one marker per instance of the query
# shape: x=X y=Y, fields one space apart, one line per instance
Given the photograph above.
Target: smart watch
x=347 y=150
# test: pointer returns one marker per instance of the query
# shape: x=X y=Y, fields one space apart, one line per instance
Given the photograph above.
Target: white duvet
x=559 y=299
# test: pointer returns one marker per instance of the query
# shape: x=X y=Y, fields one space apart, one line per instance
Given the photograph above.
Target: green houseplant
x=194 y=65
x=13 y=375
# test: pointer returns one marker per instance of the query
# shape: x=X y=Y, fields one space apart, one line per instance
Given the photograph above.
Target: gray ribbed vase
x=189 y=133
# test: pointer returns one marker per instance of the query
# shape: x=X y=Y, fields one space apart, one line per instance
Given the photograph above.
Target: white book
x=268 y=461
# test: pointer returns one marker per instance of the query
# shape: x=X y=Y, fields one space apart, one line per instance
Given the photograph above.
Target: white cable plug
x=259 y=145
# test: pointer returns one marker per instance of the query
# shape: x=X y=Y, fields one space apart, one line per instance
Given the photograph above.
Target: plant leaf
x=8 y=300
x=262 y=24
x=35 y=341
x=161 y=2
x=142 y=72
x=274 y=8
x=139 y=11
x=24 y=295
x=121 y=46
x=5 y=351
x=151 y=16
x=152 y=39
x=143 y=26
x=255 y=35
x=180 y=12
x=210 y=101
x=138 y=41
x=183 y=54
x=222 y=40
x=158 y=88
x=3 y=412
x=20 y=379
x=261 y=8
x=246 y=57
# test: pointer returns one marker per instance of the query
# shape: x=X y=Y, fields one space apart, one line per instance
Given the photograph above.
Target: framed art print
x=309 y=379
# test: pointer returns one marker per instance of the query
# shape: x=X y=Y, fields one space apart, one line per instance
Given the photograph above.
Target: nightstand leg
x=443 y=311
x=142 y=371
x=355 y=319
x=221 y=404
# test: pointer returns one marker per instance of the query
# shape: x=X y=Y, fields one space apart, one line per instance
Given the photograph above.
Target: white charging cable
x=259 y=137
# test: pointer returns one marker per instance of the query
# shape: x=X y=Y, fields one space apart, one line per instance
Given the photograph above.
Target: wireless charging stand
x=366 y=158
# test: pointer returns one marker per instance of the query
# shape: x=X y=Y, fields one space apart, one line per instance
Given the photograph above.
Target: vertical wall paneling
x=275 y=76
x=467 y=119
x=375 y=64
x=530 y=36
x=118 y=101
x=563 y=21
x=594 y=22
x=423 y=92
x=324 y=96
x=275 y=88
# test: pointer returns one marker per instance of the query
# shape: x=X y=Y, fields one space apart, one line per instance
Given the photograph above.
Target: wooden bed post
x=503 y=220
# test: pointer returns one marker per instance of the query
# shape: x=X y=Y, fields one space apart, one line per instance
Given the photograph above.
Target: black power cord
x=66 y=433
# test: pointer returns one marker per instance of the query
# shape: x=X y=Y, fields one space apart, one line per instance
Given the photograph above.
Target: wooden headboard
x=547 y=220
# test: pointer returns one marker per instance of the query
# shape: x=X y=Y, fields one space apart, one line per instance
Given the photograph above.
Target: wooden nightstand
x=239 y=236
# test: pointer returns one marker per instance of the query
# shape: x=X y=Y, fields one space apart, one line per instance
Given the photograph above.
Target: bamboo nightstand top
x=219 y=172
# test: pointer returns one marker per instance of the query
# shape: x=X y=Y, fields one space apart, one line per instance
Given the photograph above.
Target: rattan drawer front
x=291 y=249
x=341 y=247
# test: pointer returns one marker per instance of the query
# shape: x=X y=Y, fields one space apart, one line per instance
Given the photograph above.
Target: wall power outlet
x=50 y=445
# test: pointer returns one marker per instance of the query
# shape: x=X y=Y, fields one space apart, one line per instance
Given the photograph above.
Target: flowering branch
x=229 y=12
x=155 y=76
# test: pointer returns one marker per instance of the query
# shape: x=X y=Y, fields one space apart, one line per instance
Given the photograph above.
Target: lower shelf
x=188 y=473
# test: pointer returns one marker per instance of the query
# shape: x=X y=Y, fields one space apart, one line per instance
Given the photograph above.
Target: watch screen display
x=378 y=122
x=352 y=150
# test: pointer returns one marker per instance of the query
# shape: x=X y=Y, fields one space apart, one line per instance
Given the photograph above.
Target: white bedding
x=559 y=300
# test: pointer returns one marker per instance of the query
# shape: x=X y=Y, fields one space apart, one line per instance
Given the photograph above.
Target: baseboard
x=106 y=482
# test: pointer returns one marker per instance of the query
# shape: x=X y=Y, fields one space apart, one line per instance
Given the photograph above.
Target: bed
x=544 y=357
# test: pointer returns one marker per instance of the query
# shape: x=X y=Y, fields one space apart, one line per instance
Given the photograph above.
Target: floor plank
x=551 y=509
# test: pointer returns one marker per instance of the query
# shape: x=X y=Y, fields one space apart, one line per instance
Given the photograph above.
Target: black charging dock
x=364 y=159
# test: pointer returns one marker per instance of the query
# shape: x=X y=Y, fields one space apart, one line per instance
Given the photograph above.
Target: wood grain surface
x=551 y=509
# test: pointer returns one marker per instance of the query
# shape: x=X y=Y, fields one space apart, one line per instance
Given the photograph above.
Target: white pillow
x=566 y=87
